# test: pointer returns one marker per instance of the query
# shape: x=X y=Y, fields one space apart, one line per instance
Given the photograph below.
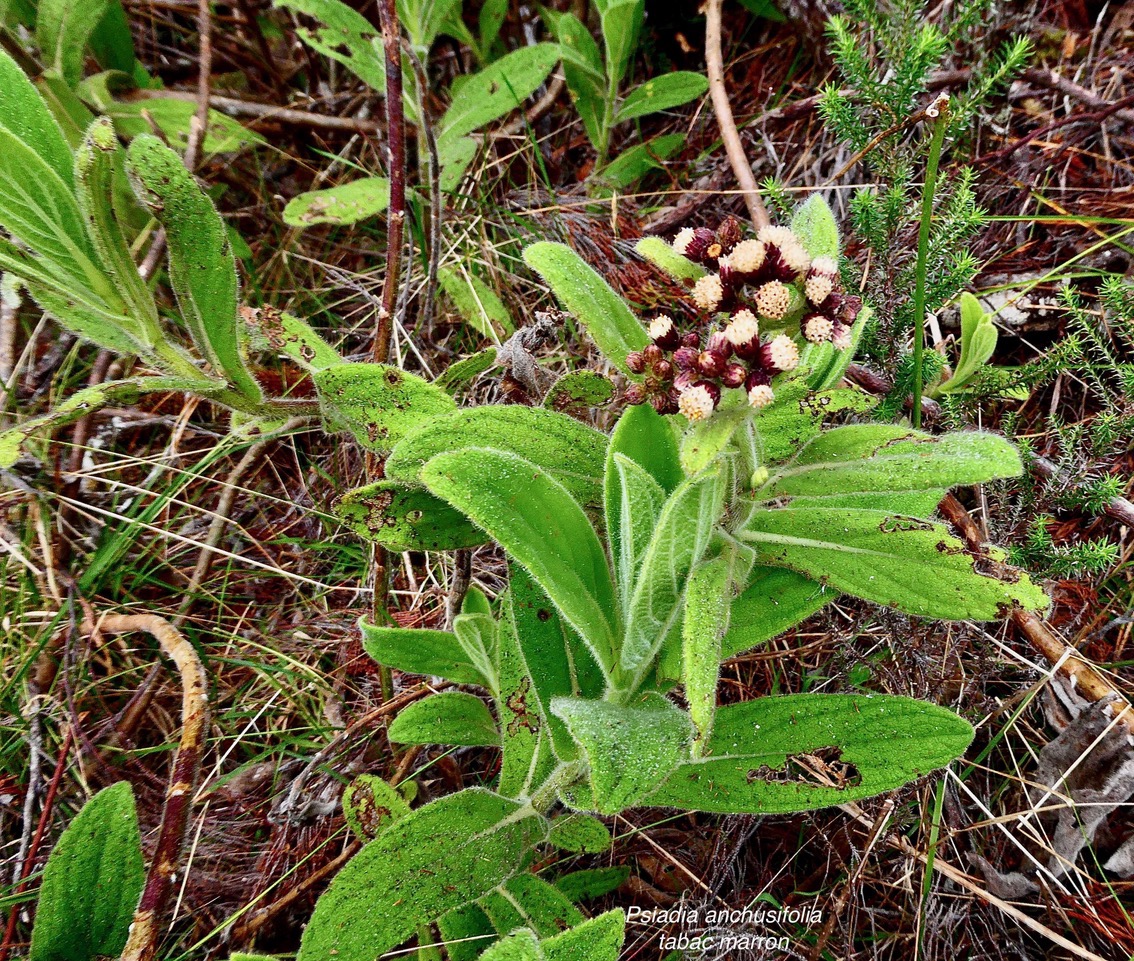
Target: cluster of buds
x=685 y=373
x=758 y=284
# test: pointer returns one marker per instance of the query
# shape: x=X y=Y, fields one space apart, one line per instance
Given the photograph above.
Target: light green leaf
x=579 y=834
x=814 y=224
x=586 y=295
x=876 y=458
x=774 y=601
x=630 y=166
x=913 y=565
x=425 y=21
x=201 y=266
x=662 y=255
x=448 y=718
x=174 y=118
x=569 y=451
x=476 y=302
x=828 y=374
x=521 y=946
x=112 y=43
x=455 y=160
x=636 y=519
x=579 y=393
x=477 y=634
x=421 y=651
x=377 y=403
x=370 y=805
x=531 y=901
x=466 y=369
x=274 y=330
x=978 y=344
x=597 y=939
x=465 y=931
x=26 y=115
x=678 y=542
x=406 y=517
x=646 y=437
x=83 y=313
x=662 y=92
x=592 y=882
x=497 y=90
x=702 y=442
x=631 y=748
x=621 y=24
x=92 y=882
x=440 y=856
x=63 y=29
x=345 y=36
x=583 y=70
x=346 y=204
x=756 y=761
x=707 y=600
x=536 y=520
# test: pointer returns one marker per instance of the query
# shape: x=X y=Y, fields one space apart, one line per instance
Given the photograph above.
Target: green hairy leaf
x=468 y=368
x=636 y=518
x=633 y=163
x=676 y=545
x=815 y=226
x=978 y=344
x=774 y=601
x=621 y=24
x=526 y=900
x=631 y=748
x=592 y=882
x=445 y=854
x=663 y=92
x=585 y=294
x=476 y=302
x=346 y=204
x=370 y=805
x=583 y=70
x=521 y=946
x=63 y=29
x=599 y=939
x=202 y=269
x=174 y=118
x=422 y=651
x=346 y=37
x=274 y=330
x=406 y=517
x=913 y=565
x=579 y=392
x=662 y=255
x=497 y=90
x=779 y=754
x=570 y=452
x=537 y=521
x=707 y=601
x=92 y=882
x=580 y=834
x=465 y=931
x=377 y=403
x=25 y=114
x=451 y=717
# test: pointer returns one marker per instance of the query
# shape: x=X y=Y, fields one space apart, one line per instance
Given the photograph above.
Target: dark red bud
x=692 y=339
x=664 y=370
x=652 y=353
x=712 y=363
x=699 y=245
x=635 y=362
x=757 y=378
x=635 y=394
x=734 y=375
x=720 y=344
x=729 y=233
x=686 y=357
x=686 y=379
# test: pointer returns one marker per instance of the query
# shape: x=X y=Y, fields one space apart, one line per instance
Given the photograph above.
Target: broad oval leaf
x=92 y=882
x=662 y=92
x=537 y=521
x=451 y=851
x=572 y=453
x=448 y=718
x=633 y=163
x=580 y=834
x=807 y=751
x=421 y=651
x=346 y=204
x=913 y=565
x=406 y=517
x=814 y=224
x=202 y=269
x=522 y=945
x=586 y=295
x=476 y=302
x=377 y=403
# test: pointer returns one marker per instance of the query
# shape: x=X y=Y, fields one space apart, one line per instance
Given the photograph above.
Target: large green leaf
x=451 y=717
x=465 y=931
x=662 y=92
x=422 y=651
x=174 y=118
x=586 y=295
x=24 y=113
x=558 y=663
x=621 y=25
x=756 y=761
x=202 y=269
x=646 y=437
x=63 y=29
x=84 y=313
x=406 y=517
x=569 y=451
x=632 y=522
x=597 y=939
x=345 y=36
x=631 y=748
x=377 y=403
x=92 y=882
x=707 y=598
x=798 y=414
x=579 y=834
x=537 y=521
x=774 y=601
x=913 y=565
x=526 y=900
x=680 y=538
x=278 y=331
x=346 y=204
x=522 y=945
x=876 y=458
x=496 y=90
x=633 y=163
x=440 y=856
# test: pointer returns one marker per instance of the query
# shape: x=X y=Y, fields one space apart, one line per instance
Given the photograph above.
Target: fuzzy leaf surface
x=878 y=743
x=597 y=939
x=579 y=834
x=774 y=601
x=707 y=601
x=345 y=36
x=406 y=517
x=63 y=29
x=814 y=224
x=662 y=255
x=585 y=294
x=370 y=805
x=26 y=115
x=448 y=718
x=476 y=302
x=528 y=901
x=294 y=338
x=421 y=651
x=662 y=92
x=346 y=204
x=438 y=857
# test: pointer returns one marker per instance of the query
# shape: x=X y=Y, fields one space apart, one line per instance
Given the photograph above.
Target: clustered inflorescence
x=766 y=284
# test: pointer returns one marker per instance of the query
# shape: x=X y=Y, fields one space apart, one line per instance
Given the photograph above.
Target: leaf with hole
x=406 y=517
x=345 y=36
x=370 y=805
x=346 y=204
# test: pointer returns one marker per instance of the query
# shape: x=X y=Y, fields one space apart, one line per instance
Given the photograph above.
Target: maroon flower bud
x=659 y=402
x=850 y=309
x=652 y=353
x=635 y=394
x=664 y=370
x=686 y=379
x=729 y=233
x=671 y=402
x=635 y=362
x=663 y=332
x=686 y=357
x=712 y=363
x=693 y=243
x=757 y=378
x=692 y=339
x=719 y=344
x=734 y=375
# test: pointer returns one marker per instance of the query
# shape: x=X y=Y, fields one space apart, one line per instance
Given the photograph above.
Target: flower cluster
x=767 y=282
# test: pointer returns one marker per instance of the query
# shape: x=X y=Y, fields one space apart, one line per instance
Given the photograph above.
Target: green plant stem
x=562 y=777
x=941 y=106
